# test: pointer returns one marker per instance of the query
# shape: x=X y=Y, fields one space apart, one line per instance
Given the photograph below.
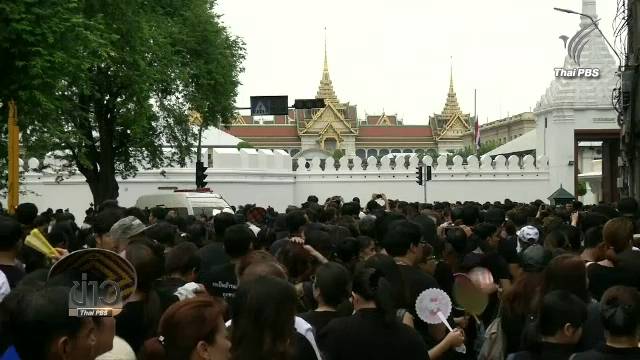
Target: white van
x=186 y=202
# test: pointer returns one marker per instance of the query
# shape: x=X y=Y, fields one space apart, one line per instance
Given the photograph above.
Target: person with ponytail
x=191 y=329
x=373 y=332
x=620 y=312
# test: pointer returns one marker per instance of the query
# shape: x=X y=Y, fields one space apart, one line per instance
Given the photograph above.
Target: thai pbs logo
x=90 y=298
x=574 y=48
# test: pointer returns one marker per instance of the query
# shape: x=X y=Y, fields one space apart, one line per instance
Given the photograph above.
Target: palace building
x=319 y=132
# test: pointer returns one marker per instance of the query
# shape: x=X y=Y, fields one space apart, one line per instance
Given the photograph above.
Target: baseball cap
x=534 y=258
x=126 y=228
x=528 y=234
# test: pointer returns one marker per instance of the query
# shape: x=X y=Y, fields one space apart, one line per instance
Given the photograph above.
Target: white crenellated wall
x=515 y=178
x=266 y=178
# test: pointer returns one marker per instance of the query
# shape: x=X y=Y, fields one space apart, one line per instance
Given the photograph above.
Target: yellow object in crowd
x=39 y=243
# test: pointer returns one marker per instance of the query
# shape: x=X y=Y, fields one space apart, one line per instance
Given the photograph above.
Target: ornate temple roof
x=594 y=53
x=328 y=115
x=451 y=123
x=325 y=90
x=451 y=107
x=381 y=120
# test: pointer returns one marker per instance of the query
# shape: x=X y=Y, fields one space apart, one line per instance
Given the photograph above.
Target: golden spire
x=451 y=106
x=326 y=63
x=325 y=90
x=451 y=76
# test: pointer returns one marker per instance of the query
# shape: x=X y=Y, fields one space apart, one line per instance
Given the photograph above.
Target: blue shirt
x=10 y=354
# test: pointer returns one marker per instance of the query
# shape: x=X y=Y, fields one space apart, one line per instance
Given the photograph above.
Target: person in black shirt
x=139 y=318
x=10 y=234
x=181 y=266
x=403 y=241
x=372 y=332
x=562 y=316
x=213 y=254
x=620 y=313
x=594 y=247
x=222 y=280
x=620 y=267
x=296 y=221
x=521 y=301
x=263 y=322
x=331 y=287
x=628 y=207
x=102 y=224
x=486 y=238
x=507 y=245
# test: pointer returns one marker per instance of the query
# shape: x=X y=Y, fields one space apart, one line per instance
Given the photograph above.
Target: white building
x=580 y=108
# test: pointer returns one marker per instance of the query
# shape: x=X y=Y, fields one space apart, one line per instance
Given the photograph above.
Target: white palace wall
x=266 y=178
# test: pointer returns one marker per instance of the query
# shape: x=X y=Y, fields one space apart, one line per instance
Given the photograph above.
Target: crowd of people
x=332 y=280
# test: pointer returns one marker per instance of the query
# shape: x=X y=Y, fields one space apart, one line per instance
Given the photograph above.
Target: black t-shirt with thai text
x=221 y=281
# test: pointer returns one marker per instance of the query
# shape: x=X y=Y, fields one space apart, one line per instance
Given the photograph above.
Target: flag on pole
x=477 y=134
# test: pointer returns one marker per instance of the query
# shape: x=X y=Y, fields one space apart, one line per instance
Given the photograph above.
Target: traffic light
x=419 y=175
x=200 y=175
x=428 y=173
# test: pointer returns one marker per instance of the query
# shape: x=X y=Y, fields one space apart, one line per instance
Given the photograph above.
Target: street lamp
x=595 y=24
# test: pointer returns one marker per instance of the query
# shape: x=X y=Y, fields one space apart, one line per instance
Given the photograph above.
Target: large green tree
x=41 y=46
x=133 y=74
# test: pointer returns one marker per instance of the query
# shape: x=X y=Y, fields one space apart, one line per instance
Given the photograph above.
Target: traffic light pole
x=424 y=183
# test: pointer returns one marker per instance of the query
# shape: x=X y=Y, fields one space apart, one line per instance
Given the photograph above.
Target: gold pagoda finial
x=325 y=90
x=451 y=106
x=451 y=74
x=326 y=63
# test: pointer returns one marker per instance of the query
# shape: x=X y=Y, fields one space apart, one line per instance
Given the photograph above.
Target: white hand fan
x=433 y=306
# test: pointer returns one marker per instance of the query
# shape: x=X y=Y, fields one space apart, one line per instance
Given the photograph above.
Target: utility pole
x=424 y=183
x=476 y=126
x=13 y=154
x=423 y=175
x=631 y=126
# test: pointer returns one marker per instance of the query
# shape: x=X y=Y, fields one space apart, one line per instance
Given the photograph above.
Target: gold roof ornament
x=195 y=118
x=325 y=90
x=238 y=120
x=383 y=120
x=451 y=107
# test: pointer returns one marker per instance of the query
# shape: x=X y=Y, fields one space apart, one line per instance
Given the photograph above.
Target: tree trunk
x=103 y=187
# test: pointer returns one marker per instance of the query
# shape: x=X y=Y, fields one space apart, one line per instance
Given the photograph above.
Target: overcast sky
x=395 y=55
